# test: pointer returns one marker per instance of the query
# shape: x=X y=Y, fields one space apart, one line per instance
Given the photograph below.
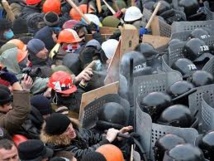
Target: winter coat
x=72 y=103
x=27 y=10
x=44 y=66
x=32 y=125
x=13 y=119
x=9 y=59
x=85 y=142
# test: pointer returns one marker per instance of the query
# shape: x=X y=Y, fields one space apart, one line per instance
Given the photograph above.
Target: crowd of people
x=48 y=60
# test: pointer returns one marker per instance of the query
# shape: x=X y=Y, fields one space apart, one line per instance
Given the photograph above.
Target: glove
x=143 y=31
x=118 y=14
x=7 y=76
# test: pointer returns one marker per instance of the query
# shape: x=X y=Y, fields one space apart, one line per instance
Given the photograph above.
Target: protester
x=60 y=133
x=40 y=110
x=15 y=60
x=6 y=32
x=63 y=90
x=8 y=150
x=15 y=105
x=34 y=150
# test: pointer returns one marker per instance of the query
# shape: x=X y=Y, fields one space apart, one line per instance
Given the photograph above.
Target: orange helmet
x=19 y=44
x=111 y=152
x=62 y=82
x=83 y=7
x=18 y=138
x=32 y=2
x=68 y=36
x=21 y=55
x=52 y=6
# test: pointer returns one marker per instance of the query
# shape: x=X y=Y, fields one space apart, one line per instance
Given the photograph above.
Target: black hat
x=93 y=156
x=33 y=150
x=20 y=26
x=56 y=124
x=42 y=104
x=51 y=19
x=5 y=24
x=5 y=95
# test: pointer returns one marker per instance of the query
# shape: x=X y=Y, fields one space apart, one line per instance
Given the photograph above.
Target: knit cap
x=35 y=45
x=56 y=124
x=42 y=104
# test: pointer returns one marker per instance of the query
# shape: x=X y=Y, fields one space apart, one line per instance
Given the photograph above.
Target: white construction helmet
x=109 y=47
x=132 y=13
x=93 y=18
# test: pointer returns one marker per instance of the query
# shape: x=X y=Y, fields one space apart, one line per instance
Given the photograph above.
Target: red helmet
x=18 y=138
x=32 y=2
x=62 y=82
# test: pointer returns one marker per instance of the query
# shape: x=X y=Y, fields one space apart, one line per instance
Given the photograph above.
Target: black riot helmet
x=111 y=115
x=196 y=50
x=184 y=66
x=206 y=144
x=146 y=49
x=184 y=152
x=165 y=143
x=199 y=33
x=190 y=7
x=150 y=53
x=139 y=63
x=174 y=41
x=154 y=103
x=176 y=115
x=180 y=90
x=201 y=78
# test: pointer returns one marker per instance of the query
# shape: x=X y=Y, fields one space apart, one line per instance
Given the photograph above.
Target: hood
x=45 y=34
x=9 y=59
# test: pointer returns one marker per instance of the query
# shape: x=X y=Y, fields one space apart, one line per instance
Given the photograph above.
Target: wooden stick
x=98 y=2
x=6 y=6
x=109 y=7
x=132 y=3
x=115 y=3
x=79 y=11
x=112 y=10
x=153 y=15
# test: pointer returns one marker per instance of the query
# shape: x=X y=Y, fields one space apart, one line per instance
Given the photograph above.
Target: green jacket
x=13 y=119
x=9 y=59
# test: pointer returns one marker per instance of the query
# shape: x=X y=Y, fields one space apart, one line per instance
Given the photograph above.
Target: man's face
x=43 y=54
x=70 y=132
x=9 y=155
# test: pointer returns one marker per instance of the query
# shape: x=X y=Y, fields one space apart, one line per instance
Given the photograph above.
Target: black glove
x=7 y=76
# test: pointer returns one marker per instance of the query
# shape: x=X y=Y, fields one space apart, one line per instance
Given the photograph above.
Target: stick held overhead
x=79 y=11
